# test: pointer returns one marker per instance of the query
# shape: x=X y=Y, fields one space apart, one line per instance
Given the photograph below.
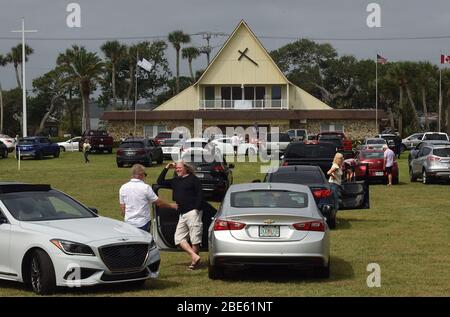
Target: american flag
x=445 y=59
x=381 y=60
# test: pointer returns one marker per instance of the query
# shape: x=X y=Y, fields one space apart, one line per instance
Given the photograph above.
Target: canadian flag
x=445 y=59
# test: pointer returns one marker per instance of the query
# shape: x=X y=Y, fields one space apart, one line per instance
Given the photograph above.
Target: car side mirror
x=282 y=157
x=231 y=166
x=3 y=220
x=94 y=210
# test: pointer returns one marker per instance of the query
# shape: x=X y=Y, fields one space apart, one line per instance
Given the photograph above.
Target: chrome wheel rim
x=424 y=177
x=35 y=275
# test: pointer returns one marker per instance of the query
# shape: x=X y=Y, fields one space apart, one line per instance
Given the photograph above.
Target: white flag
x=145 y=64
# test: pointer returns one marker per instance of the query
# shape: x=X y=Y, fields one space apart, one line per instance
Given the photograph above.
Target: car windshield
x=171 y=142
x=27 y=141
x=300 y=177
x=376 y=141
x=436 y=136
x=269 y=199
x=372 y=155
x=320 y=150
x=44 y=206
x=133 y=145
x=445 y=152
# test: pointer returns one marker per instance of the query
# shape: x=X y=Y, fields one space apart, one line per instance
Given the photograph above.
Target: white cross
x=24 y=91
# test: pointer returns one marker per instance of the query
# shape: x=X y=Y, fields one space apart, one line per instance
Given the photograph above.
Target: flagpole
x=440 y=99
x=135 y=93
x=376 y=93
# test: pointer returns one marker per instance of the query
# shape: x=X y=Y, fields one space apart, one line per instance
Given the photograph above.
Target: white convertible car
x=48 y=239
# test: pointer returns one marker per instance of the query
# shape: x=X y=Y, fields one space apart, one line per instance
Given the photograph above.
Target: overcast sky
x=331 y=19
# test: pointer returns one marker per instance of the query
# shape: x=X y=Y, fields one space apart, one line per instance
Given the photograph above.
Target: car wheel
x=56 y=155
x=62 y=149
x=119 y=164
x=109 y=151
x=412 y=177
x=160 y=160
x=403 y=148
x=322 y=271
x=425 y=178
x=39 y=156
x=5 y=155
x=149 y=162
x=215 y=272
x=331 y=220
x=42 y=273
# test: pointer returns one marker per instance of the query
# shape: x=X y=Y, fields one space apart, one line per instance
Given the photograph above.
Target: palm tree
x=190 y=53
x=114 y=52
x=15 y=57
x=426 y=74
x=3 y=62
x=84 y=68
x=177 y=38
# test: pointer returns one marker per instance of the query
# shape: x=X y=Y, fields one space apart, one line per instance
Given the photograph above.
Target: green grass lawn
x=406 y=232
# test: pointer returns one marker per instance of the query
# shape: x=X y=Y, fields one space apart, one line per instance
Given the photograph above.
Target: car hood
x=87 y=230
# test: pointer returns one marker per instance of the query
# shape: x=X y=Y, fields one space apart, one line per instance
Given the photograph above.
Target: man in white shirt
x=388 y=162
x=135 y=198
x=235 y=140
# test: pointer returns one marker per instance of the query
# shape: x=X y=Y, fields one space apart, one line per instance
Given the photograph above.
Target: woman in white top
x=335 y=173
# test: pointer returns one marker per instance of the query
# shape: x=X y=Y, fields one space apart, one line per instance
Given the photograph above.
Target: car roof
x=268 y=186
x=198 y=140
x=435 y=142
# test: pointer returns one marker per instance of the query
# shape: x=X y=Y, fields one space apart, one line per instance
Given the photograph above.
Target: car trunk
x=273 y=225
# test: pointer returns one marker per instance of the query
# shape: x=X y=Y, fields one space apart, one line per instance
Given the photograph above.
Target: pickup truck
x=99 y=140
x=342 y=143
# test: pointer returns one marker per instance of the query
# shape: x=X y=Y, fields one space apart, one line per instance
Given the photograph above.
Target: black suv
x=139 y=150
x=214 y=173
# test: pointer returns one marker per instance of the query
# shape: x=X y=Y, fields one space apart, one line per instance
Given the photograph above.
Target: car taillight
x=285 y=164
x=220 y=225
x=218 y=168
x=119 y=152
x=433 y=158
x=318 y=225
x=157 y=142
x=322 y=193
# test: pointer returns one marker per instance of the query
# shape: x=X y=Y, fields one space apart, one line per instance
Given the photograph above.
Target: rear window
x=98 y=133
x=281 y=137
x=377 y=141
x=372 y=155
x=269 y=199
x=164 y=135
x=320 y=150
x=27 y=141
x=170 y=142
x=442 y=152
x=131 y=145
x=303 y=178
x=435 y=136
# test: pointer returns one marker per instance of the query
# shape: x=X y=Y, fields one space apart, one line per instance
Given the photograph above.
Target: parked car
x=3 y=150
x=70 y=145
x=99 y=140
x=171 y=148
x=311 y=138
x=435 y=136
x=48 y=239
x=413 y=153
x=374 y=159
x=277 y=142
x=213 y=171
x=198 y=144
x=297 y=134
x=340 y=140
x=390 y=140
x=36 y=147
x=373 y=144
x=432 y=163
x=163 y=135
x=139 y=150
x=411 y=141
x=225 y=147
x=261 y=224
x=8 y=141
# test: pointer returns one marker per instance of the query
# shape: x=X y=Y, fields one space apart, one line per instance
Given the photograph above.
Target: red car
x=374 y=158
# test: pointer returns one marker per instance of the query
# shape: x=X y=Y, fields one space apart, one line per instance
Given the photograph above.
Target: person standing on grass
x=187 y=193
x=235 y=143
x=135 y=198
x=388 y=162
x=398 y=144
x=335 y=173
x=86 y=150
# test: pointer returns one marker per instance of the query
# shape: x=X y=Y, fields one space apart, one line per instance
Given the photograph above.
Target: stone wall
x=354 y=129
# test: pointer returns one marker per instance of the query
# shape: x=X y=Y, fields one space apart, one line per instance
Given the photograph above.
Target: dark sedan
x=139 y=150
x=214 y=172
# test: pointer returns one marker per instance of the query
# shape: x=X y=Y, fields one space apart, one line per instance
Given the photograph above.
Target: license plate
x=101 y=145
x=200 y=175
x=269 y=231
x=131 y=153
x=379 y=173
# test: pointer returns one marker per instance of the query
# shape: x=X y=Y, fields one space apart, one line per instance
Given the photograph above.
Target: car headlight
x=72 y=248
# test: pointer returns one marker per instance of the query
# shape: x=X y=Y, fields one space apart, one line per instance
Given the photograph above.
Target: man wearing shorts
x=388 y=162
x=187 y=193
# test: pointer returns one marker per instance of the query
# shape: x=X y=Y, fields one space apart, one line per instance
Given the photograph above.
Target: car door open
x=164 y=221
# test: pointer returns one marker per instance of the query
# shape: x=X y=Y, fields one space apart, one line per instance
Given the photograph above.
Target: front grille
x=124 y=257
x=123 y=277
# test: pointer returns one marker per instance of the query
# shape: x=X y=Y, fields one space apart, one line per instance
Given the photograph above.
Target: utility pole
x=24 y=89
x=208 y=48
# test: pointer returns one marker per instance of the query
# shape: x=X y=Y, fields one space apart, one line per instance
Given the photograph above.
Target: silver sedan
x=263 y=224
